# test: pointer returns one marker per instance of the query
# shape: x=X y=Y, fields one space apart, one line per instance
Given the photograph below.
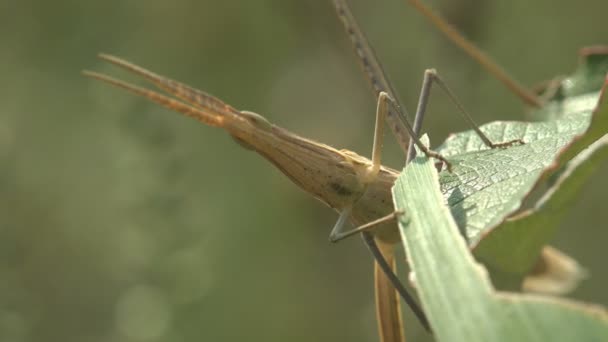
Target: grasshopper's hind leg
x=370 y=242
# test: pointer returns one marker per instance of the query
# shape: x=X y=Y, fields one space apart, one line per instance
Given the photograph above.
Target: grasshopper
x=359 y=189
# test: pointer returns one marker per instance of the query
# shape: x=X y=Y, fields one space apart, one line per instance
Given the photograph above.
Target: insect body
x=356 y=187
x=338 y=178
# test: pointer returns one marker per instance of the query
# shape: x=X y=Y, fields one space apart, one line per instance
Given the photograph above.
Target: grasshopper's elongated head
x=336 y=177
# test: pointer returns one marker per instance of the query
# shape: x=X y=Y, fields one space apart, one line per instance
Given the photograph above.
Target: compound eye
x=257 y=120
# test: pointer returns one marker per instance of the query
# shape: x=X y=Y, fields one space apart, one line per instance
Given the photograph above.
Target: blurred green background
x=120 y=221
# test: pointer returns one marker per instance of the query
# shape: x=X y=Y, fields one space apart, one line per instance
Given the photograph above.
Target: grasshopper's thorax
x=377 y=202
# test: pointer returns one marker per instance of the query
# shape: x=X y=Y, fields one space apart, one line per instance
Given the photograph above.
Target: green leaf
x=489 y=185
x=455 y=291
x=514 y=245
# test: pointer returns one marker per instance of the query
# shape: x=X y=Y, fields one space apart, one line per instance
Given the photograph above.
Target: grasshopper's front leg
x=338 y=233
x=430 y=77
x=384 y=254
x=384 y=100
